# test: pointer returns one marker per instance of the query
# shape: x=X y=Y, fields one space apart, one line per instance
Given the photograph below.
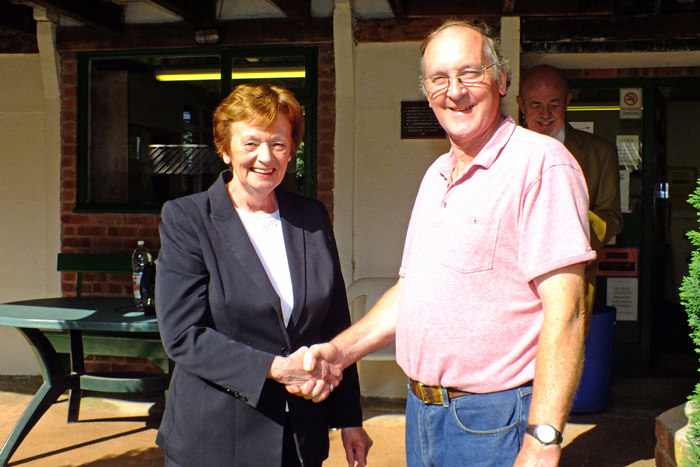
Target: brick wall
x=326 y=126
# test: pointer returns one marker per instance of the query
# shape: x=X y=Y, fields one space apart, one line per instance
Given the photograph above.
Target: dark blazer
x=221 y=322
x=599 y=163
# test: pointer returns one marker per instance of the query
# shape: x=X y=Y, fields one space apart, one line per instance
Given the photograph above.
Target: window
x=145 y=121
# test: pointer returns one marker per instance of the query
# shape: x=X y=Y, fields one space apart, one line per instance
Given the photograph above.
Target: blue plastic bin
x=593 y=394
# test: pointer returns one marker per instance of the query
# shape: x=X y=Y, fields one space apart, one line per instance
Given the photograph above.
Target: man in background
x=544 y=97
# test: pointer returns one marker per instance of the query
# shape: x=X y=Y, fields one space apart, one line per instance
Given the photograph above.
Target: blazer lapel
x=237 y=242
x=574 y=144
x=293 y=231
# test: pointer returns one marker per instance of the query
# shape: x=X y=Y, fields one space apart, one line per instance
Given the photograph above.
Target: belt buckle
x=424 y=395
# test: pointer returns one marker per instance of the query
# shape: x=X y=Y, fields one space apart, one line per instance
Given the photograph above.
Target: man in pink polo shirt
x=488 y=313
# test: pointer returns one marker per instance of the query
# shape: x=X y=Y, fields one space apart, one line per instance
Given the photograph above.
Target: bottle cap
x=140 y=242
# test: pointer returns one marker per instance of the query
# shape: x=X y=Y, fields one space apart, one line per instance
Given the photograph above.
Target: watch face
x=546 y=433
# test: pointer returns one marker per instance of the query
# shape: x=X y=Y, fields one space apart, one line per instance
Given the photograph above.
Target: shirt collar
x=488 y=154
x=561 y=135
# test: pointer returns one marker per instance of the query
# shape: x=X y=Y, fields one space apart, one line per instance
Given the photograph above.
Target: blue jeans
x=476 y=430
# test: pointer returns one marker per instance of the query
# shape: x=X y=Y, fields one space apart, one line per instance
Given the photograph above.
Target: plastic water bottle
x=139 y=258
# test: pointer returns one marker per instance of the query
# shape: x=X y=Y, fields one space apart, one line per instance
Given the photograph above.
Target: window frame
x=307 y=97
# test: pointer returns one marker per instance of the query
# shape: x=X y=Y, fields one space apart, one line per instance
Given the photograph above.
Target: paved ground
x=116 y=433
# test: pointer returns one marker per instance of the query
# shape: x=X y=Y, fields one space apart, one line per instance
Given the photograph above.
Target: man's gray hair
x=491 y=49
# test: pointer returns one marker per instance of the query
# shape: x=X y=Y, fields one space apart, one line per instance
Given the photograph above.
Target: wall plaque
x=418 y=121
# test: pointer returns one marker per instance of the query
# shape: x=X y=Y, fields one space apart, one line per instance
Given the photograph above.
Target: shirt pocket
x=467 y=243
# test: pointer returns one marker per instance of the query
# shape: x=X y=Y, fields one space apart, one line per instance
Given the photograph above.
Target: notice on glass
x=623 y=294
x=625 y=190
x=631 y=103
x=628 y=152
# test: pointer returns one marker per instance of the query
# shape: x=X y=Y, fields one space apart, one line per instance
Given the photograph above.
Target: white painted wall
x=387 y=169
x=23 y=193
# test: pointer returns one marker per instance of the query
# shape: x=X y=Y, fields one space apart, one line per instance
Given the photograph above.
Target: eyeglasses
x=435 y=85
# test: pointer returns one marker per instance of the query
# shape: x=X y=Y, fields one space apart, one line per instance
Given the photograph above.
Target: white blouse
x=265 y=231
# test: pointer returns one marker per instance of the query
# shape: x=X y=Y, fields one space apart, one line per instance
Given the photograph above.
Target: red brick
x=98 y=277
x=69 y=66
x=121 y=231
x=69 y=115
x=113 y=245
x=112 y=219
x=76 y=242
x=69 y=197
x=92 y=230
x=148 y=233
x=75 y=219
x=69 y=79
x=69 y=127
x=142 y=219
x=69 y=276
x=325 y=162
x=69 y=170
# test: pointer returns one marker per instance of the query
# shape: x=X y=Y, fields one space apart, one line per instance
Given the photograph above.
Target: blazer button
x=285 y=352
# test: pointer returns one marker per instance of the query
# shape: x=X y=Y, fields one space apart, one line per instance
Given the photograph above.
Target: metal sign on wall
x=419 y=122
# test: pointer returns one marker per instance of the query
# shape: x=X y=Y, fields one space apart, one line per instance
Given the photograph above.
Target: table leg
x=77 y=366
x=55 y=384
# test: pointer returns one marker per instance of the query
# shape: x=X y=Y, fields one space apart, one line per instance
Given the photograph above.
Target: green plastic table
x=100 y=315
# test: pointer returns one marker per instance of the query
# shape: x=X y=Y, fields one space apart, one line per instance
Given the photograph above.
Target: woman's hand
x=356 y=442
x=290 y=372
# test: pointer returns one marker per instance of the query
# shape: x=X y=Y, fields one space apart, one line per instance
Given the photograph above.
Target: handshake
x=310 y=372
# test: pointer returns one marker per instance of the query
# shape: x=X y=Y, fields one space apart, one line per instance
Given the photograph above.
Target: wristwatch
x=545 y=434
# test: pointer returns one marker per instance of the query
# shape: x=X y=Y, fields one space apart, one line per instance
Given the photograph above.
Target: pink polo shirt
x=469 y=315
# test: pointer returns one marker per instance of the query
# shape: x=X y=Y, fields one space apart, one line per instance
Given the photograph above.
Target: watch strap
x=532 y=431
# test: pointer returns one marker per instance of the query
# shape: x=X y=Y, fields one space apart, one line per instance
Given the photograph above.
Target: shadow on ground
x=134 y=458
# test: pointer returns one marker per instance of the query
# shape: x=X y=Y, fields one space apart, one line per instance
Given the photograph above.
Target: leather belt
x=433 y=394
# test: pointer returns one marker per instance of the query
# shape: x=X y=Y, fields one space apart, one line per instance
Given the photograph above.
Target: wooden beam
x=414 y=29
x=296 y=10
x=498 y=8
x=96 y=13
x=613 y=28
x=450 y=8
x=508 y=7
x=13 y=42
x=200 y=13
x=17 y=18
x=398 y=7
x=179 y=35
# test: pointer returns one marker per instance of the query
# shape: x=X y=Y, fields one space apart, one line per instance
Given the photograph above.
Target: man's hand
x=290 y=371
x=534 y=454
x=356 y=443
x=318 y=356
